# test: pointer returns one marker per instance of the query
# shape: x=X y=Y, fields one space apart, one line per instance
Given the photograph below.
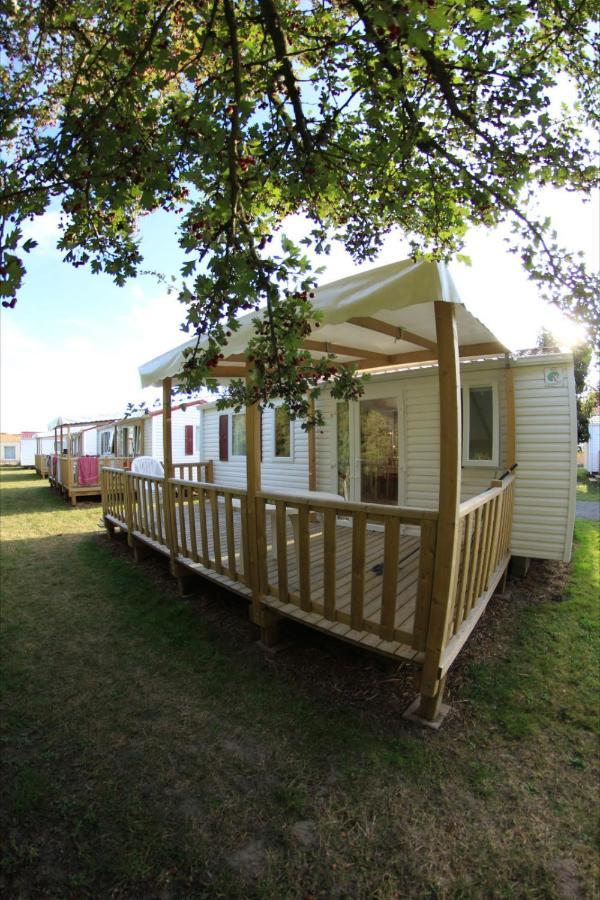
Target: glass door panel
x=379 y=451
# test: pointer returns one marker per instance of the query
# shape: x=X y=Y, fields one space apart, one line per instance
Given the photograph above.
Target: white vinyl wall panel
x=546 y=439
x=153 y=436
x=277 y=474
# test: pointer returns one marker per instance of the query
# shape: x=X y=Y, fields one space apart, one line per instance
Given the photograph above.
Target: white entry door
x=378 y=450
x=375 y=464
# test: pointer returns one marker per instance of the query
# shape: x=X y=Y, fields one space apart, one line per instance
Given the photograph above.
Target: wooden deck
x=224 y=563
x=360 y=572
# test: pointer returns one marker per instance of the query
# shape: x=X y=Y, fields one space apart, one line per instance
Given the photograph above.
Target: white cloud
x=86 y=373
x=45 y=230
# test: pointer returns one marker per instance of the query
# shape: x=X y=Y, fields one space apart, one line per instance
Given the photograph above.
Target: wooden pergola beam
x=228 y=372
x=395 y=331
x=343 y=350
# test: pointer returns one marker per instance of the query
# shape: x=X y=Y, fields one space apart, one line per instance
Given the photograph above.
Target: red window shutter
x=224 y=438
x=189 y=440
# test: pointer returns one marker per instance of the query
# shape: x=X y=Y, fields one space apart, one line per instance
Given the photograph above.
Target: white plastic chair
x=147 y=465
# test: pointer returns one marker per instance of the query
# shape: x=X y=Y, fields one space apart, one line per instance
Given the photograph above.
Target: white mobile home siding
x=153 y=437
x=28 y=451
x=592 y=461
x=276 y=474
x=546 y=431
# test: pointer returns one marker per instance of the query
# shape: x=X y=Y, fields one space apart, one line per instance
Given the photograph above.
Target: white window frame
x=276 y=457
x=477 y=383
x=12 y=447
x=233 y=455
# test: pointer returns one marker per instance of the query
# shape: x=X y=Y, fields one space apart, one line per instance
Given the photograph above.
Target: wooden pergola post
x=446 y=556
x=166 y=422
x=262 y=617
x=511 y=440
x=312 y=450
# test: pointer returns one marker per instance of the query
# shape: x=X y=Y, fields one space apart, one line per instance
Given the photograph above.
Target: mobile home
x=392 y=526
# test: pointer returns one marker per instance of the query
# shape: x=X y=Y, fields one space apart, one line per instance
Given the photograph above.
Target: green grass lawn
x=586 y=489
x=146 y=755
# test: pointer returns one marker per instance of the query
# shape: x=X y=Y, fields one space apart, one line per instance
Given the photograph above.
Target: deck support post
x=140 y=550
x=446 y=555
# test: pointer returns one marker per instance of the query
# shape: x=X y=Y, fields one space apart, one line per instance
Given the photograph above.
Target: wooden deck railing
x=67 y=474
x=198 y=522
x=41 y=464
x=484 y=554
x=317 y=555
x=194 y=471
x=114 y=494
x=209 y=526
x=378 y=611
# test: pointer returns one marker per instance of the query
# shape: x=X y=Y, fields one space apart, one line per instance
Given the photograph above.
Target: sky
x=72 y=344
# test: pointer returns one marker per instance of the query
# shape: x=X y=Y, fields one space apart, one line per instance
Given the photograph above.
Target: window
x=238 y=434
x=283 y=433
x=10 y=453
x=198 y=440
x=105 y=442
x=136 y=444
x=189 y=440
x=480 y=425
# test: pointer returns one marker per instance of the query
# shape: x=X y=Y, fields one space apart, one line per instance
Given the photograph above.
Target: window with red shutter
x=224 y=438
x=189 y=440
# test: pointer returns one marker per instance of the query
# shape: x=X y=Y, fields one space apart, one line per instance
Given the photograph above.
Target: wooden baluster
x=304 y=557
x=488 y=545
x=244 y=537
x=466 y=559
x=474 y=573
x=160 y=512
x=329 y=562
x=424 y=584
x=391 y=549
x=230 y=534
x=179 y=498
x=192 y=524
x=496 y=540
x=261 y=543
x=150 y=490
x=357 y=596
x=216 y=528
x=279 y=539
x=485 y=515
x=203 y=528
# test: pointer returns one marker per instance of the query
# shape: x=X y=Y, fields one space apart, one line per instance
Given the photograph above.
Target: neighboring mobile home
x=28 y=444
x=591 y=459
x=44 y=449
x=143 y=435
x=392 y=526
x=74 y=465
x=10 y=449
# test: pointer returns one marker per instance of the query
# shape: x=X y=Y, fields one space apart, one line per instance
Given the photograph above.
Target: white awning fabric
x=400 y=295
